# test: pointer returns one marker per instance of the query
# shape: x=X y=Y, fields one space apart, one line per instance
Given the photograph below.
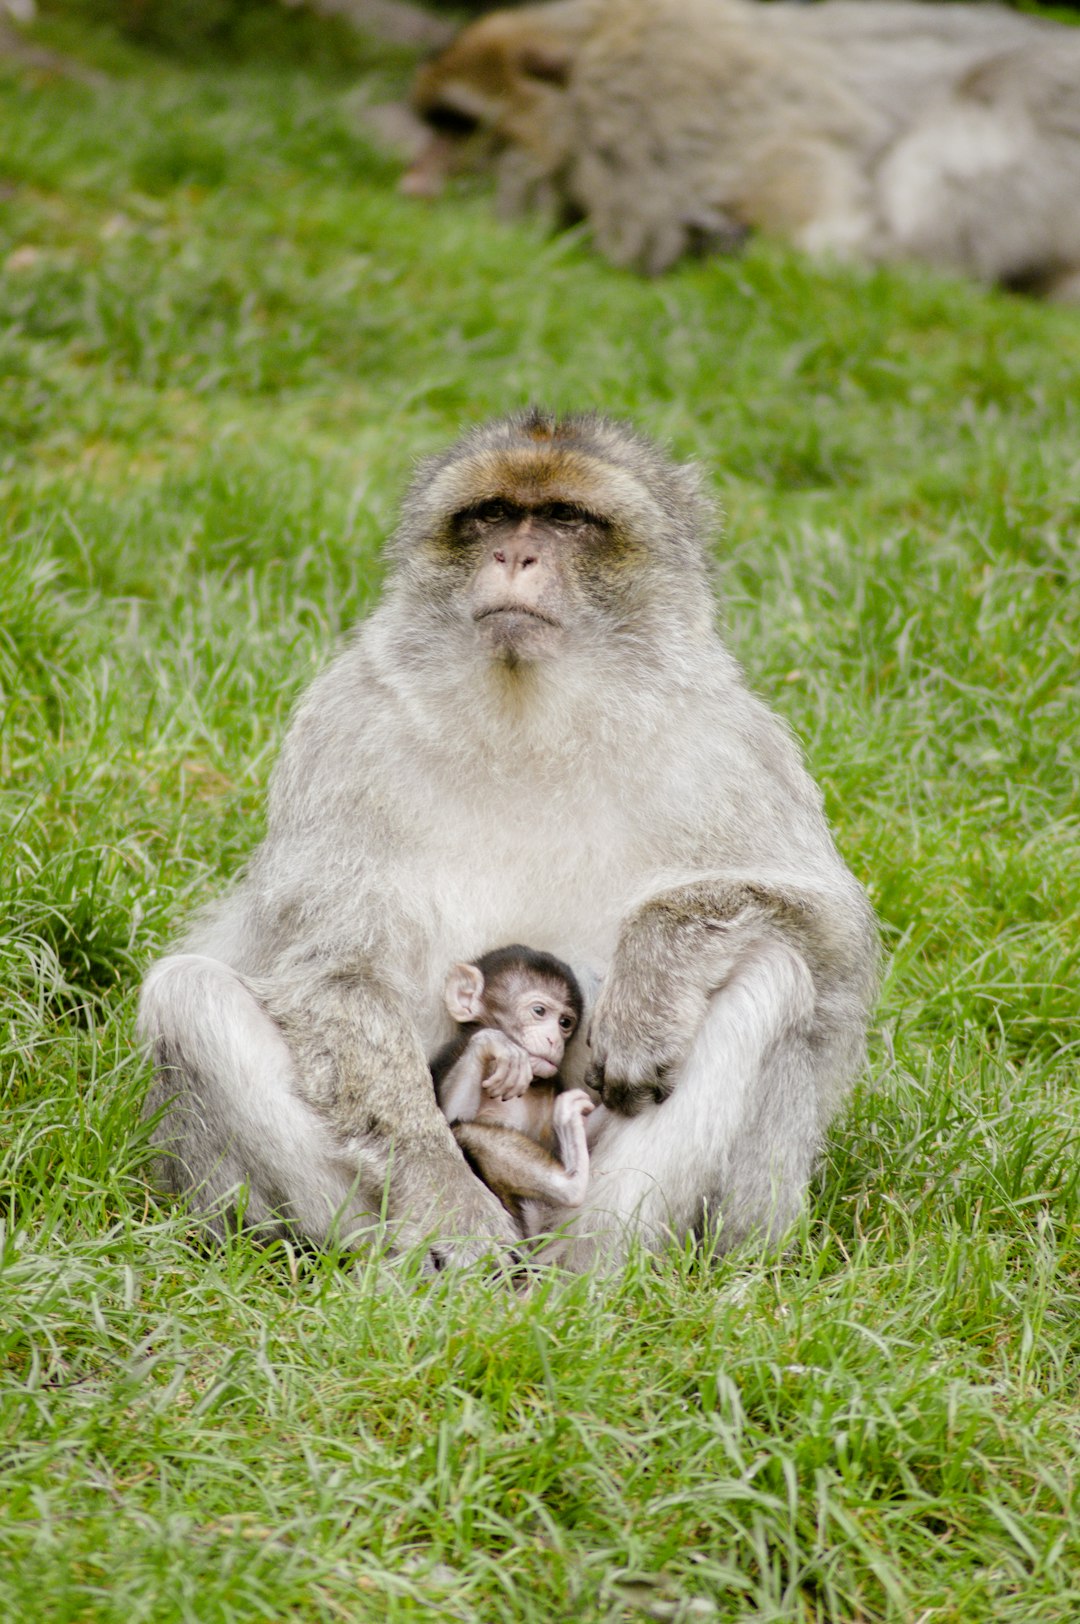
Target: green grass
x=224 y=340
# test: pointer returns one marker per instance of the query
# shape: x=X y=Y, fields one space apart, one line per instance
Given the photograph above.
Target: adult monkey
x=894 y=131
x=537 y=736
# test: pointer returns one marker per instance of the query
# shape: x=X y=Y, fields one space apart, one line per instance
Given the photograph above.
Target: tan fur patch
x=548 y=473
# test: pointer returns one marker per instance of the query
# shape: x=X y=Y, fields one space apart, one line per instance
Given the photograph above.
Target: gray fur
x=628 y=804
x=943 y=133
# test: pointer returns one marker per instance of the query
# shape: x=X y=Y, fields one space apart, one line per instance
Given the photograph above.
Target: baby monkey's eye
x=539 y=1010
x=566 y=1022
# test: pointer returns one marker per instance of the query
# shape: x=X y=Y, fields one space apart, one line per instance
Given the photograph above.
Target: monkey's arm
x=360 y=1064
x=571 y=1140
x=683 y=945
x=491 y=1064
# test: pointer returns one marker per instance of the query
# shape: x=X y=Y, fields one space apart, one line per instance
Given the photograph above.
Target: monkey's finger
x=662 y=1086
x=577 y=1103
x=629 y=1094
x=511 y=1076
x=496 y=1084
x=520 y=1076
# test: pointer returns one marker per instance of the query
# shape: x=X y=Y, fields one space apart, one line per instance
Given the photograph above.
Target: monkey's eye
x=449 y=120
x=493 y=512
x=567 y=1023
x=564 y=513
x=539 y=1010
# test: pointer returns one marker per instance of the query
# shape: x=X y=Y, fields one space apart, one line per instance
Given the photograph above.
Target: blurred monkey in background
x=943 y=133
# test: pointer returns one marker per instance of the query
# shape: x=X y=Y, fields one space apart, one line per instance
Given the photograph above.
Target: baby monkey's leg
x=518 y=1169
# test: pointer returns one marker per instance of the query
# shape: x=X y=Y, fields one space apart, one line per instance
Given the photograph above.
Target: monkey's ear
x=548 y=61
x=465 y=993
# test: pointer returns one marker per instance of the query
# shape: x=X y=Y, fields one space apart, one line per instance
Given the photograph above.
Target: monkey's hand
x=506 y=1067
x=650 y=1008
x=568 y=1125
x=568 y=1109
x=574 y=1102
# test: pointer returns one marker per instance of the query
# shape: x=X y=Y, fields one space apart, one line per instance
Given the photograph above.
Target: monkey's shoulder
x=337 y=758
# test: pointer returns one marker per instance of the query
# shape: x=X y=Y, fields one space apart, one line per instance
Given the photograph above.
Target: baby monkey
x=517 y=1009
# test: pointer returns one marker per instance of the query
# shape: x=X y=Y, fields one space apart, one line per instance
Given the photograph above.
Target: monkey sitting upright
x=544 y=660
x=517 y=1009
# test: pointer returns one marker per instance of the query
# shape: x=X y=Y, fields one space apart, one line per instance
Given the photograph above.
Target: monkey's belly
x=530 y=1113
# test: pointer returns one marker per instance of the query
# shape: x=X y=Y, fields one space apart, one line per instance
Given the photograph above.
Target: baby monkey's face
x=538 y=1015
x=523 y=993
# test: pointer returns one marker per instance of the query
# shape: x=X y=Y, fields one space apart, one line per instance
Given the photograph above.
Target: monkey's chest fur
x=461 y=824
x=493 y=881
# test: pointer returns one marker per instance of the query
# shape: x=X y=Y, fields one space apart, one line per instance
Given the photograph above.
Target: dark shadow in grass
x=797 y=457
x=81 y=946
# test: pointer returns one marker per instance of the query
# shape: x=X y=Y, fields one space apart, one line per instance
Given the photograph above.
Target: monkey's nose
x=514 y=558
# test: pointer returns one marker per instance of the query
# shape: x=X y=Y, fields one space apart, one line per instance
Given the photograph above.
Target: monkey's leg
x=236 y=1119
x=516 y=1167
x=737 y=1136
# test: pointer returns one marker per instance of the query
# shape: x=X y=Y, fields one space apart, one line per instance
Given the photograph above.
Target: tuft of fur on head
x=532 y=961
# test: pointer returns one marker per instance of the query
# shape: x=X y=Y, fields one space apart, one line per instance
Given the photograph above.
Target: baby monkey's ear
x=464 y=994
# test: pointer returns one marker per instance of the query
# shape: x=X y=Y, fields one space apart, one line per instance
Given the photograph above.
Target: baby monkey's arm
x=489 y=1065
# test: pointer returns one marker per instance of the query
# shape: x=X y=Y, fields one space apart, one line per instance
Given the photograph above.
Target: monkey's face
x=531 y=560
x=537 y=1014
x=459 y=138
x=542 y=538
x=486 y=88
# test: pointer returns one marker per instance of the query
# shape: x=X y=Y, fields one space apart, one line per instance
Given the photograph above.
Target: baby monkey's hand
x=574 y=1102
x=507 y=1067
